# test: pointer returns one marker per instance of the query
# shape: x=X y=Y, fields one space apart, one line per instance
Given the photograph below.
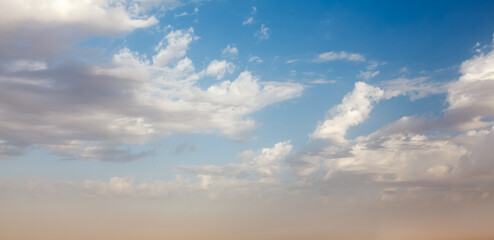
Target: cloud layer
x=89 y=112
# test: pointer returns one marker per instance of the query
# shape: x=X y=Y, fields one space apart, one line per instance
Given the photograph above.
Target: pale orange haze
x=44 y=216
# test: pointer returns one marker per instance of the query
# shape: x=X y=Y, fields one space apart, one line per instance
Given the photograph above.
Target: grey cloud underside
x=72 y=105
x=49 y=99
x=405 y=161
x=83 y=111
x=397 y=168
x=50 y=30
x=408 y=159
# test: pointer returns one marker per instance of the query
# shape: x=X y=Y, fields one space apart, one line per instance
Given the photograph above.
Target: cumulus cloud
x=44 y=31
x=403 y=160
x=332 y=56
x=261 y=166
x=415 y=166
x=230 y=50
x=219 y=68
x=470 y=98
x=400 y=157
x=407 y=159
x=354 y=109
x=173 y=46
x=100 y=16
x=93 y=112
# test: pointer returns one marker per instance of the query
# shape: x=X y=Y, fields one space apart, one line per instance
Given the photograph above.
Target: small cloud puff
x=230 y=50
x=331 y=56
x=263 y=33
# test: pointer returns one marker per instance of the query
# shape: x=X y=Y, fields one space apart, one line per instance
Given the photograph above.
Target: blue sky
x=222 y=99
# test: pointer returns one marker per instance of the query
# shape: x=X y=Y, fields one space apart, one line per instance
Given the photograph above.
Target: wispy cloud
x=263 y=33
x=184 y=13
x=322 y=81
x=289 y=61
x=367 y=74
x=255 y=59
x=416 y=88
x=250 y=19
x=332 y=56
x=230 y=51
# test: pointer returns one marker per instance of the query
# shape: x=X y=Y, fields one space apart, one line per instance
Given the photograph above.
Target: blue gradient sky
x=225 y=99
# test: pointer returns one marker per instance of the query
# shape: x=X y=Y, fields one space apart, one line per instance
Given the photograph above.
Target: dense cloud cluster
x=89 y=111
x=92 y=111
x=408 y=155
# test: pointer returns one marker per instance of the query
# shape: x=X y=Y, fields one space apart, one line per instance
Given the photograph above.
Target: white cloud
x=470 y=98
x=353 y=109
x=367 y=74
x=261 y=166
x=370 y=73
x=230 y=50
x=98 y=15
x=405 y=159
x=219 y=68
x=184 y=13
x=50 y=30
x=372 y=65
x=255 y=171
x=263 y=33
x=173 y=46
x=322 y=81
x=248 y=21
x=416 y=88
x=331 y=56
x=292 y=61
x=400 y=157
x=255 y=59
x=90 y=112
x=435 y=167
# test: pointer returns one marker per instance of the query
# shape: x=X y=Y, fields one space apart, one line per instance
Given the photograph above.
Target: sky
x=180 y=119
